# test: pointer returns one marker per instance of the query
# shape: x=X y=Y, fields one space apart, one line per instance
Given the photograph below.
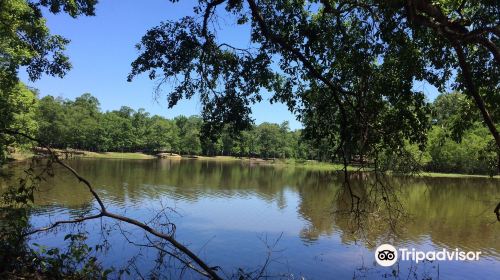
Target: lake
x=233 y=214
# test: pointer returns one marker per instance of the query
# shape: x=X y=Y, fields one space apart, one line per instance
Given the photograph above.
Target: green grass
x=116 y=155
x=314 y=165
x=283 y=163
x=217 y=158
x=455 y=175
x=20 y=155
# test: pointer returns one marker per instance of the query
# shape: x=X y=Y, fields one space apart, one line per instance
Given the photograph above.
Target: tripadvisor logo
x=387 y=255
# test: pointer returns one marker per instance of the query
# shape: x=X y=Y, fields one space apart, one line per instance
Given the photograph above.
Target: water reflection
x=233 y=201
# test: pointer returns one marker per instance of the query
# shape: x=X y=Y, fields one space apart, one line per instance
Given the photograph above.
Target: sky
x=102 y=48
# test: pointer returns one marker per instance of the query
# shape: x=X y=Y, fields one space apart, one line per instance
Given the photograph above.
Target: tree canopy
x=26 y=39
x=346 y=67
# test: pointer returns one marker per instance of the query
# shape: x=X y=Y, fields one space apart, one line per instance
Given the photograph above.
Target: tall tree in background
x=52 y=121
x=163 y=135
x=84 y=120
x=189 y=129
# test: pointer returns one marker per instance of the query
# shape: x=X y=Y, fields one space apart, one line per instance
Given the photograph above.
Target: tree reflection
x=448 y=212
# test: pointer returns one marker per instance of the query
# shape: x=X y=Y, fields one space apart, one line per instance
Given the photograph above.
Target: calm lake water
x=228 y=212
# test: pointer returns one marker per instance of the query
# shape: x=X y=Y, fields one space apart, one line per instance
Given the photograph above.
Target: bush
x=473 y=155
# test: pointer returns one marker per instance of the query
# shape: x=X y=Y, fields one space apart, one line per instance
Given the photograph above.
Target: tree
x=228 y=142
x=84 y=118
x=369 y=83
x=191 y=143
x=248 y=142
x=25 y=41
x=117 y=132
x=285 y=143
x=473 y=155
x=189 y=134
x=356 y=61
x=301 y=148
x=52 y=121
x=268 y=139
x=458 y=142
x=17 y=110
x=453 y=112
x=465 y=36
x=141 y=126
x=163 y=135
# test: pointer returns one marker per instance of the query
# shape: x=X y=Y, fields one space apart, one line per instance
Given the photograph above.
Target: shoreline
x=282 y=163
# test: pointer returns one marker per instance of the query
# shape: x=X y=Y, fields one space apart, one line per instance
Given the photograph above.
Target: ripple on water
x=233 y=204
x=54 y=210
x=487 y=253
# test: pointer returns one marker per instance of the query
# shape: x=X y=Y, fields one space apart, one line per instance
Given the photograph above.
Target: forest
x=456 y=143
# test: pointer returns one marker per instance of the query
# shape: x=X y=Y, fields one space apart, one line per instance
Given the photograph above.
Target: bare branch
x=104 y=213
x=206 y=17
x=58 y=223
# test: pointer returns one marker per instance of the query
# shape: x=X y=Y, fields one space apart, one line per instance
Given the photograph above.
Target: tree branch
x=272 y=37
x=473 y=91
x=288 y=47
x=58 y=223
x=450 y=29
x=206 y=16
x=104 y=213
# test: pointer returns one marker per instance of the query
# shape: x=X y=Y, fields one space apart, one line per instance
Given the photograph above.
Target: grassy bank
x=303 y=164
x=279 y=163
x=326 y=166
x=117 y=155
x=455 y=175
x=20 y=155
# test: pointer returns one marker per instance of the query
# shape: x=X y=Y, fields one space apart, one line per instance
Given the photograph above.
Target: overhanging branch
x=104 y=213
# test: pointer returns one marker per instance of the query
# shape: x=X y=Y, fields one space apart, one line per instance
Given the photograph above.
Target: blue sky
x=102 y=48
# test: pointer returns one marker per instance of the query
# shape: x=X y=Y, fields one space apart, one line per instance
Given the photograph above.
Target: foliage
x=17 y=110
x=75 y=262
x=454 y=113
x=347 y=68
x=407 y=160
x=473 y=155
x=80 y=124
x=19 y=259
x=25 y=41
x=189 y=134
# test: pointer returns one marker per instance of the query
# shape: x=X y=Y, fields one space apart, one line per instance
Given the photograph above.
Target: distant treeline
x=456 y=142
x=80 y=124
